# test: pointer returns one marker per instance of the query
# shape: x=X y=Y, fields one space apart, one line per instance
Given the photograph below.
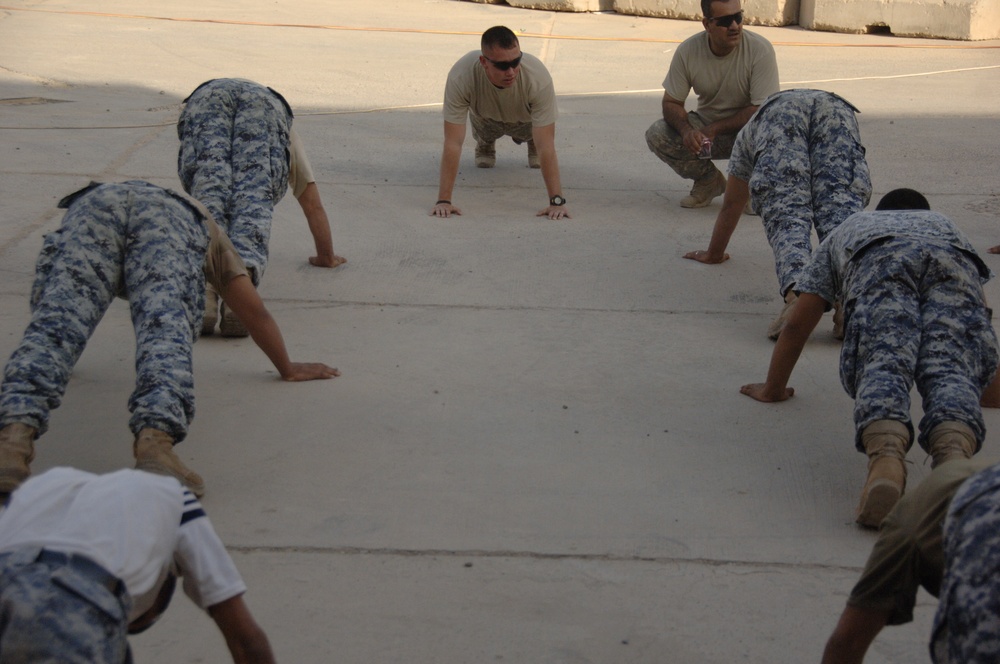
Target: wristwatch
x=557 y=200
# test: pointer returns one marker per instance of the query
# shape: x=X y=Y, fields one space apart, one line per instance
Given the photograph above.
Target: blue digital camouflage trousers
x=52 y=614
x=916 y=312
x=810 y=171
x=135 y=240
x=967 y=623
x=234 y=159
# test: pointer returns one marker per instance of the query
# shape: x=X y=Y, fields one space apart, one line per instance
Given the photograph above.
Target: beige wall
x=944 y=19
x=758 y=12
x=947 y=19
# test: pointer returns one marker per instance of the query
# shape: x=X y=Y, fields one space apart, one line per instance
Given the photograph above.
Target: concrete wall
x=564 y=5
x=943 y=19
x=758 y=12
x=947 y=19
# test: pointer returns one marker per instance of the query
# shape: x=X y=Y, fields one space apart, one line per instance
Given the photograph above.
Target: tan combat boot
x=774 y=329
x=486 y=155
x=17 y=449
x=231 y=325
x=154 y=453
x=886 y=443
x=534 y=161
x=211 y=318
x=950 y=441
x=705 y=191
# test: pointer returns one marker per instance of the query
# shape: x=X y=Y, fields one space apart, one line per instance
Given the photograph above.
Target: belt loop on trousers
x=84 y=566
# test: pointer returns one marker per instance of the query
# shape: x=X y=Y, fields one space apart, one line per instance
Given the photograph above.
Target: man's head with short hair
x=903 y=199
x=498 y=36
x=501 y=56
x=724 y=25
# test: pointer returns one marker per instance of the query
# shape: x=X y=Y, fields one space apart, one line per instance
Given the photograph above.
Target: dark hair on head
x=903 y=199
x=706 y=7
x=498 y=36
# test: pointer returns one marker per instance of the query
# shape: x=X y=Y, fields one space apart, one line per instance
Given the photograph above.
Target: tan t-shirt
x=300 y=171
x=222 y=263
x=909 y=552
x=532 y=98
x=724 y=85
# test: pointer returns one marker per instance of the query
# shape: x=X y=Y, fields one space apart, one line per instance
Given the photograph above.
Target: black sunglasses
x=728 y=19
x=504 y=66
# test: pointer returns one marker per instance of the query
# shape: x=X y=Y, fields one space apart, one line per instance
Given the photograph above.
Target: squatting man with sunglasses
x=87 y=559
x=503 y=92
x=732 y=71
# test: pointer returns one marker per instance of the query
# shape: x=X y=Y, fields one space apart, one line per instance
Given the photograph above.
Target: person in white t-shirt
x=502 y=92
x=87 y=559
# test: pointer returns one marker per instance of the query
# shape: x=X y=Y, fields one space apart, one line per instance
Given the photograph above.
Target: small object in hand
x=706 y=149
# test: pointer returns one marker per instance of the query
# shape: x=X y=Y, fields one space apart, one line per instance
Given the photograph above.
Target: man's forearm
x=451 y=154
x=730 y=125
x=852 y=637
x=319 y=223
x=240 y=296
x=545 y=143
x=449 y=172
x=675 y=116
x=733 y=202
x=247 y=642
x=801 y=322
x=550 y=172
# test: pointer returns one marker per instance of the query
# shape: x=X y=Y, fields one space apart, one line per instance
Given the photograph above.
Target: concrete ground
x=537 y=451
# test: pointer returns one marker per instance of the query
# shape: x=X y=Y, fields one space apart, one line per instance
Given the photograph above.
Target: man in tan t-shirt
x=732 y=72
x=504 y=92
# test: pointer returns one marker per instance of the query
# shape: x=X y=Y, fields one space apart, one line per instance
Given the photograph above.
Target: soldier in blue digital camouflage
x=967 y=623
x=914 y=312
x=156 y=249
x=238 y=156
x=800 y=164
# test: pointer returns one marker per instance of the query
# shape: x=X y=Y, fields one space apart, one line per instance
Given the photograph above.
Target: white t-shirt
x=133 y=524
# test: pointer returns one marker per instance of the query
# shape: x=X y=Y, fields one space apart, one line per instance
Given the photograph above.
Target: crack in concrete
x=535 y=555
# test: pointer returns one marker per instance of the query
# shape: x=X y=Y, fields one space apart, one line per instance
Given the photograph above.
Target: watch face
x=557 y=200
